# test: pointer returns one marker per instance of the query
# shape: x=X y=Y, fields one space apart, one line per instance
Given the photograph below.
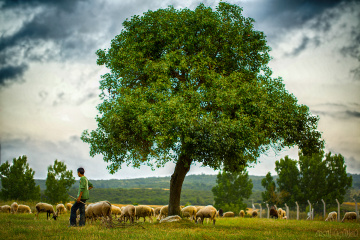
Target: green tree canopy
x=18 y=181
x=194 y=86
x=312 y=178
x=58 y=182
x=231 y=189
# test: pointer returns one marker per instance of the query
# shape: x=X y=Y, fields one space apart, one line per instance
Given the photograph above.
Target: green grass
x=24 y=226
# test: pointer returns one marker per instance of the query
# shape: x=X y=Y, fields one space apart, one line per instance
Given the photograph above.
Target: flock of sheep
x=131 y=213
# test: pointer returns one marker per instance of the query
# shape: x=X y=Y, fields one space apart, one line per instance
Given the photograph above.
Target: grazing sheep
x=143 y=211
x=14 y=207
x=128 y=212
x=229 y=214
x=115 y=210
x=199 y=207
x=163 y=212
x=68 y=206
x=45 y=207
x=254 y=214
x=189 y=211
x=242 y=213
x=274 y=213
x=221 y=212
x=60 y=208
x=349 y=216
x=280 y=213
x=99 y=209
x=5 y=209
x=332 y=217
x=206 y=212
x=157 y=211
x=24 y=209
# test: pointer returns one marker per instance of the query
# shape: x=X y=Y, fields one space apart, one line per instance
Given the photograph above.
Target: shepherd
x=83 y=195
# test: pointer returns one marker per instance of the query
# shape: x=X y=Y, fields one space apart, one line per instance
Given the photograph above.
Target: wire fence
x=310 y=211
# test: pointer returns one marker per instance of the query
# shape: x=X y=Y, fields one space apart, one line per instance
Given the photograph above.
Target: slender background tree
x=193 y=86
x=58 y=182
x=17 y=181
x=231 y=189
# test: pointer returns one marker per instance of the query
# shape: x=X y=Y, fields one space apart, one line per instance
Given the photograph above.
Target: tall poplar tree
x=58 y=182
x=193 y=86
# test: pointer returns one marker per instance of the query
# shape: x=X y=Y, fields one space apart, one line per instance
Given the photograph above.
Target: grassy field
x=24 y=226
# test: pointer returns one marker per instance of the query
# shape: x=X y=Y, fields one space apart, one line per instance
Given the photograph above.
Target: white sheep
x=206 y=212
x=157 y=212
x=331 y=217
x=128 y=212
x=115 y=210
x=174 y=218
x=242 y=213
x=189 y=211
x=144 y=211
x=14 y=207
x=60 y=208
x=24 y=209
x=45 y=207
x=68 y=206
x=254 y=214
x=163 y=212
x=5 y=209
x=280 y=213
x=229 y=214
x=349 y=216
x=99 y=209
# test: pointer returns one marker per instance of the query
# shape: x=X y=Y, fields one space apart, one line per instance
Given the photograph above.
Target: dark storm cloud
x=11 y=72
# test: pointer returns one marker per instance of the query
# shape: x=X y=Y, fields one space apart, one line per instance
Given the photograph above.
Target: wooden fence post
x=310 y=212
x=324 y=208
x=287 y=212
x=338 y=210
x=260 y=209
x=268 y=212
x=297 y=211
x=356 y=210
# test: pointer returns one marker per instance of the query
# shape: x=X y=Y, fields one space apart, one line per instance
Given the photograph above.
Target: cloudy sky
x=49 y=78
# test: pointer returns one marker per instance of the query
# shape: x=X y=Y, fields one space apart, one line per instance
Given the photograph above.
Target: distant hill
x=191 y=182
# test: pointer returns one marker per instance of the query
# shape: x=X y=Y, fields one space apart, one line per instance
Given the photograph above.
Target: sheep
x=229 y=214
x=60 y=208
x=24 y=209
x=274 y=213
x=220 y=212
x=157 y=211
x=99 y=209
x=349 y=216
x=14 y=207
x=115 y=210
x=128 y=212
x=144 y=211
x=163 y=212
x=45 y=207
x=254 y=214
x=174 y=218
x=199 y=207
x=189 y=211
x=280 y=213
x=242 y=213
x=68 y=206
x=206 y=212
x=5 y=209
x=331 y=217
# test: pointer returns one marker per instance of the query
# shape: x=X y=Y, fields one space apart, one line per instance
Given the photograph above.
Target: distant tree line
x=17 y=181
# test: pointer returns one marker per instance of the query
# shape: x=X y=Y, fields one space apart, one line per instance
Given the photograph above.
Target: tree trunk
x=177 y=178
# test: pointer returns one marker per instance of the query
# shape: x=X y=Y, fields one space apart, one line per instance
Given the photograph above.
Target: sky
x=49 y=80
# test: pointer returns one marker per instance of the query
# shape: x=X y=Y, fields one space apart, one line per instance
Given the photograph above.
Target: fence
x=309 y=211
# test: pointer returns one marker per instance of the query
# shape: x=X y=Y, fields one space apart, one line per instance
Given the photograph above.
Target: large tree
x=231 y=189
x=194 y=86
x=17 y=181
x=58 y=182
